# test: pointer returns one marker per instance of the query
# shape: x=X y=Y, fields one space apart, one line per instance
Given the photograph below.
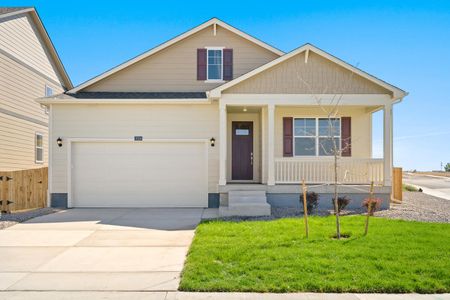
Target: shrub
x=375 y=204
x=409 y=188
x=312 y=201
x=447 y=167
x=342 y=202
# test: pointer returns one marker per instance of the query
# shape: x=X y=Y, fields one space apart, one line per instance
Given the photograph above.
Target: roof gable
x=214 y=24
x=13 y=13
x=307 y=70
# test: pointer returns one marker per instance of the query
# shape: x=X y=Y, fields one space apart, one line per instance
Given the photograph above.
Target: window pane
x=38 y=140
x=214 y=64
x=39 y=154
x=326 y=146
x=329 y=127
x=305 y=146
x=305 y=127
x=214 y=72
x=48 y=91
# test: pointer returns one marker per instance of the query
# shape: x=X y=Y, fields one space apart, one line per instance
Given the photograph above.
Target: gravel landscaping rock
x=7 y=220
x=418 y=206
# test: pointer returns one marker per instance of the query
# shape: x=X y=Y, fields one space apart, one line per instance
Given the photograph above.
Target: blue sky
x=406 y=43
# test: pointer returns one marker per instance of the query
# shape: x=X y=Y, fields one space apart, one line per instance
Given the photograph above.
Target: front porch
x=267 y=158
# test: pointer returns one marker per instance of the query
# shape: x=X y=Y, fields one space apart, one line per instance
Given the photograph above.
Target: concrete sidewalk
x=208 y=296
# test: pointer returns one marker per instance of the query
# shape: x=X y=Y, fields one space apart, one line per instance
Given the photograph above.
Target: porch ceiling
x=244 y=109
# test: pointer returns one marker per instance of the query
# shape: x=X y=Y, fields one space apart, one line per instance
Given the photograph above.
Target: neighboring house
x=216 y=115
x=29 y=69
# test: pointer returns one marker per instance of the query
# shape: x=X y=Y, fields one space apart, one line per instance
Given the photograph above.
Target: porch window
x=316 y=136
x=215 y=61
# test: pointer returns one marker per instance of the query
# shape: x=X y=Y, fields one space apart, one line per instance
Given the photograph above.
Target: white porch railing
x=321 y=170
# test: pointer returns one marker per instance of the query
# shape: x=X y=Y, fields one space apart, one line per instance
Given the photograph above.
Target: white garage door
x=139 y=174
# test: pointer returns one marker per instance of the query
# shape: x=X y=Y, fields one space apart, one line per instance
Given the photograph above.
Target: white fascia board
x=305 y=99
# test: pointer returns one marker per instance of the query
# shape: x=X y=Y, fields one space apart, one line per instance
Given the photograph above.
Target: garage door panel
x=150 y=174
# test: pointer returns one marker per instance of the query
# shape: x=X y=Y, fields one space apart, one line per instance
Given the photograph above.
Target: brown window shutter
x=201 y=64
x=346 y=136
x=227 y=64
x=287 y=137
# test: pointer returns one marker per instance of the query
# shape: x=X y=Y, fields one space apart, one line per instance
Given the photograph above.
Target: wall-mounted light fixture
x=212 y=142
x=245 y=109
x=59 y=142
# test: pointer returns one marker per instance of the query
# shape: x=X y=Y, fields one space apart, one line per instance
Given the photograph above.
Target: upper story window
x=39 y=150
x=48 y=91
x=316 y=136
x=215 y=63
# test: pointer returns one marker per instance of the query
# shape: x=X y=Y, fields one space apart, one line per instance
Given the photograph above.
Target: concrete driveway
x=98 y=249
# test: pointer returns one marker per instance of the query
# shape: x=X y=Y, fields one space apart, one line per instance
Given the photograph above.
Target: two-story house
x=29 y=69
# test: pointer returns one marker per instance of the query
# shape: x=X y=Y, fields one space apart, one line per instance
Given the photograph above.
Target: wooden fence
x=397 y=185
x=26 y=189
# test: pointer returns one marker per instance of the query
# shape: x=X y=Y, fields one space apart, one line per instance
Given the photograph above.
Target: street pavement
x=433 y=185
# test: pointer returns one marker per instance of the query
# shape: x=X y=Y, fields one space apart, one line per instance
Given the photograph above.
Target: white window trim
x=45 y=90
x=316 y=136
x=36 y=147
x=207 y=64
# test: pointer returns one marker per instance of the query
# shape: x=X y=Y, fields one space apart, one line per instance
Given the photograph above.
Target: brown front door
x=242 y=151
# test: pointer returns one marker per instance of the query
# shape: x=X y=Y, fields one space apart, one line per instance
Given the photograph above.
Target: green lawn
x=274 y=256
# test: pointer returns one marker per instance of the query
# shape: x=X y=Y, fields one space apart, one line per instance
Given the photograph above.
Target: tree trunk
x=336 y=210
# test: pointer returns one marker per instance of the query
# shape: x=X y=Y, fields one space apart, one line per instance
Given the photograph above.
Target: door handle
x=251 y=158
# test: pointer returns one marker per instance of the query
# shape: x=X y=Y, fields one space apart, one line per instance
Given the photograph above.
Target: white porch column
x=222 y=144
x=387 y=144
x=270 y=144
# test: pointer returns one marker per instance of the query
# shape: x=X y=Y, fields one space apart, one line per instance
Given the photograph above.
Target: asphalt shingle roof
x=7 y=10
x=138 y=95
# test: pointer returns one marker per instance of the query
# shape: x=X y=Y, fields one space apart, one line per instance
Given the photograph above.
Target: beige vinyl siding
x=19 y=37
x=20 y=115
x=318 y=76
x=125 y=122
x=361 y=127
x=175 y=68
x=19 y=87
x=17 y=144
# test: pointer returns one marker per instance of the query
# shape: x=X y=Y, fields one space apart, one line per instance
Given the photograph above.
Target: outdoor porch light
x=212 y=141
x=59 y=142
x=245 y=109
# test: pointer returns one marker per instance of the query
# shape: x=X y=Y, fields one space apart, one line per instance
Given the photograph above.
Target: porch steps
x=246 y=203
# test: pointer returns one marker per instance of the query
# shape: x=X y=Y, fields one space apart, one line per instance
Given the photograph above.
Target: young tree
x=330 y=145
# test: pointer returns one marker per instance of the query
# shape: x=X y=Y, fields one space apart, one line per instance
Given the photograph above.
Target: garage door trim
x=70 y=141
